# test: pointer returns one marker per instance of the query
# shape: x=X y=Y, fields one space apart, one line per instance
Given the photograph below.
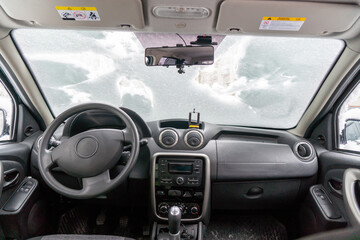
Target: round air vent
x=168 y=138
x=303 y=150
x=194 y=139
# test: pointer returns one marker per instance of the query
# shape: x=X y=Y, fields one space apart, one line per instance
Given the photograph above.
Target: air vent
x=194 y=139
x=303 y=150
x=168 y=138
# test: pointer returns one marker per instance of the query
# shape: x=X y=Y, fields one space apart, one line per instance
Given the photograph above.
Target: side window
x=6 y=114
x=349 y=122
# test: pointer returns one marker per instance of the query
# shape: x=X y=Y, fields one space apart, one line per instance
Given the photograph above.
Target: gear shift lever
x=174 y=223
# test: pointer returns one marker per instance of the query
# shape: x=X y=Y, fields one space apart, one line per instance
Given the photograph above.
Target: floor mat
x=223 y=227
x=118 y=222
x=74 y=221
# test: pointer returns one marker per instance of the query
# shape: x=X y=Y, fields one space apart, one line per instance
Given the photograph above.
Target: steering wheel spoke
x=48 y=162
x=95 y=183
x=128 y=135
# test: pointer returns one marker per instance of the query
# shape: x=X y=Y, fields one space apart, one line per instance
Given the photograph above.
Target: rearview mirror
x=3 y=123
x=179 y=56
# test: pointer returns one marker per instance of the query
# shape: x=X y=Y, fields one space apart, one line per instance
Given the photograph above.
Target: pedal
x=101 y=217
x=146 y=230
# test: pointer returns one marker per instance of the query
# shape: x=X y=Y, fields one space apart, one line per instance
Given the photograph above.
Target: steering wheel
x=351 y=191
x=89 y=155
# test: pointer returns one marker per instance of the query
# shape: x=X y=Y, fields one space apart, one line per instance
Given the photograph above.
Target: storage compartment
x=243 y=160
x=319 y=213
x=255 y=194
x=24 y=214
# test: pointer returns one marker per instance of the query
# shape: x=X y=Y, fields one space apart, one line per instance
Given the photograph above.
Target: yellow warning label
x=76 y=8
x=284 y=19
x=281 y=23
x=78 y=13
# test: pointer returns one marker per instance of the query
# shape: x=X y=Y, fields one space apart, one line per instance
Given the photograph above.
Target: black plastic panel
x=19 y=198
x=319 y=213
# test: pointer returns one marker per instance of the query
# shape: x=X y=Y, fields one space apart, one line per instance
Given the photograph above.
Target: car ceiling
x=228 y=16
x=331 y=18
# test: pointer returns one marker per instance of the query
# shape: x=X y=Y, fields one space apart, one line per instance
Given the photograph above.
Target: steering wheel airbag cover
x=89 y=153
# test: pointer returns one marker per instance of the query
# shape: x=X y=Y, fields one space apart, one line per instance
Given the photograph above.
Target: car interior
x=153 y=119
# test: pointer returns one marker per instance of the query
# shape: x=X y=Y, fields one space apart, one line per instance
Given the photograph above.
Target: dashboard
x=210 y=166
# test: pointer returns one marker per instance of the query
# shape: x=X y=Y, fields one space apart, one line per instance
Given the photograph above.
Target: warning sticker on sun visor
x=78 y=13
x=281 y=23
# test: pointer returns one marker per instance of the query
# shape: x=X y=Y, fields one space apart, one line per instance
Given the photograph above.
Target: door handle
x=254 y=193
x=336 y=185
x=11 y=178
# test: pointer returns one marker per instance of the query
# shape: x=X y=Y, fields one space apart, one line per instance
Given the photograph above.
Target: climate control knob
x=180 y=180
x=194 y=210
x=163 y=207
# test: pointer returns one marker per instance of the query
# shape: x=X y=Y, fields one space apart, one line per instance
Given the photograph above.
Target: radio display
x=185 y=168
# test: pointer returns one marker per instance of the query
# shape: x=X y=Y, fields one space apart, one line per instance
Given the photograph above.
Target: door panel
x=332 y=167
x=15 y=155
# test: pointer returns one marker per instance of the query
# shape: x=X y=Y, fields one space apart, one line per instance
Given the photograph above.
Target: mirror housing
x=351 y=131
x=179 y=55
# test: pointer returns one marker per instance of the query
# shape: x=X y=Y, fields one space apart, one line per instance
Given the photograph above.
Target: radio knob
x=163 y=207
x=180 y=180
x=194 y=210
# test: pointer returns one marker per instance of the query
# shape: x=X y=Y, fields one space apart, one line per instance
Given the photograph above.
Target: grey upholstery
x=80 y=237
x=340 y=234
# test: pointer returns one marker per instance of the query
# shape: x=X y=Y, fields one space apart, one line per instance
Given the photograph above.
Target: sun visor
x=76 y=13
x=283 y=17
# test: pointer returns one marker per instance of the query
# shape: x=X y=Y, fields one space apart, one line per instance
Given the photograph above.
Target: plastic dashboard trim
x=207 y=183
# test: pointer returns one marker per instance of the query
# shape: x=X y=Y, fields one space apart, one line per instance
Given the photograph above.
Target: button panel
x=167 y=178
x=179 y=181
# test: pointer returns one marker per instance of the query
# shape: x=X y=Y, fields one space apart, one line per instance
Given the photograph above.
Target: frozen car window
x=349 y=122
x=254 y=81
x=6 y=113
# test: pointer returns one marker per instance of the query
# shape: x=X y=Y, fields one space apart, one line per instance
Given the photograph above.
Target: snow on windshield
x=255 y=81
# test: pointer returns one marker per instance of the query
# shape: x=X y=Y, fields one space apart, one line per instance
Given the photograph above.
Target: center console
x=182 y=180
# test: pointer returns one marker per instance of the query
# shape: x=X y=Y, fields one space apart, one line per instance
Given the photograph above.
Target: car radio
x=177 y=172
x=179 y=182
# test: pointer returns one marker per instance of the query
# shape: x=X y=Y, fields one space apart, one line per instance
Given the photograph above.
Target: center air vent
x=194 y=139
x=168 y=138
x=303 y=150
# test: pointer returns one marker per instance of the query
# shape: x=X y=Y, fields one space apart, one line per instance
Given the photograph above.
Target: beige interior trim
x=321 y=18
x=16 y=63
x=43 y=13
x=343 y=65
x=346 y=16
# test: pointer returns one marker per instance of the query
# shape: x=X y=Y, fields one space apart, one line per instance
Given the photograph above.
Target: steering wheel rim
x=93 y=184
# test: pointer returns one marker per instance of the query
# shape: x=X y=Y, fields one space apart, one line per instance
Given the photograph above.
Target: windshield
x=254 y=81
